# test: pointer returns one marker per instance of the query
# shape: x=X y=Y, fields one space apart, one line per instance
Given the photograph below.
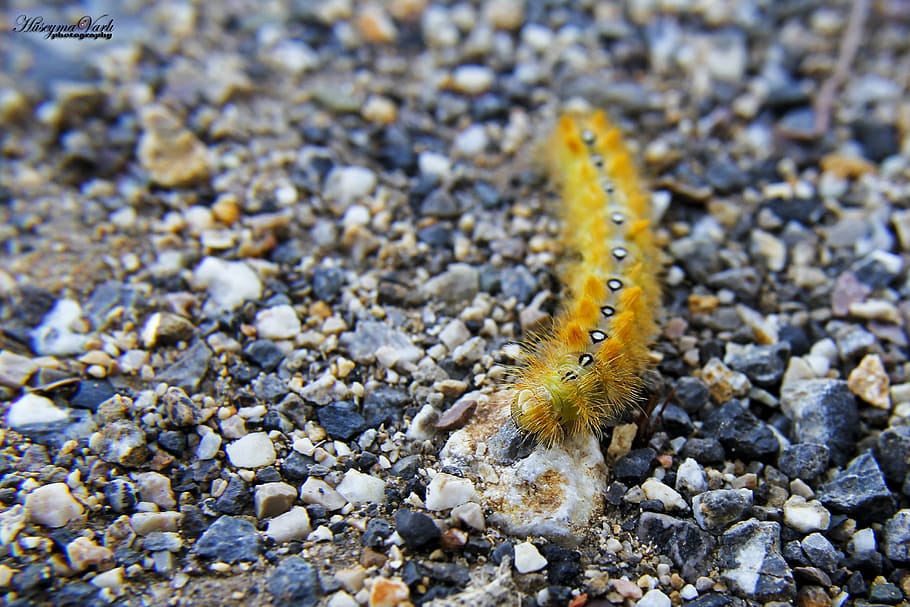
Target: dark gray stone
x=741 y=433
x=92 y=393
x=715 y=510
x=341 y=420
x=189 y=370
x=230 y=539
x=327 y=283
x=270 y=388
x=676 y=421
x=385 y=405
x=752 y=564
x=519 y=283
x=295 y=582
x=705 y=451
x=892 y=452
x=376 y=533
x=820 y=551
x=235 y=498
x=691 y=393
x=439 y=204
x=896 y=537
x=416 y=528
x=264 y=353
x=824 y=412
x=859 y=491
x=806 y=461
x=633 y=467
x=681 y=540
x=763 y=365
x=296 y=466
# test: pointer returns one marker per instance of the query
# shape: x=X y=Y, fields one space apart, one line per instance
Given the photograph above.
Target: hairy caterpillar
x=587 y=369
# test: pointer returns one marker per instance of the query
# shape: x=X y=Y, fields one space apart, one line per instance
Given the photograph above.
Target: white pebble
x=112 y=578
x=356 y=215
x=805 y=516
x=690 y=478
x=33 y=409
x=321 y=534
x=537 y=36
x=317 y=491
x=688 y=592
x=52 y=505
x=156 y=488
x=863 y=541
x=279 y=322
x=454 y=334
x=473 y=79
x=471 y=514
x=54 y=336
x=472 y=141
x=292 y=525
x=528 y=558
x=252 y=451
x=359 y=488
x=293 y=57
x=447 y=491
x=431 y=163
x=656 y=490
x=349 y=184
x=654 y=598
x=208 y=446
x=229 y=283
x=341 y=599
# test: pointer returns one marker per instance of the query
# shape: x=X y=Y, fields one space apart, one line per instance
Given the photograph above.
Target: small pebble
x=446 y=491
x=52 y=505
x=528 y=558
x=254 y=450
x=279 y=322
x=870 y=382
x=359 y=488
x=317 y=491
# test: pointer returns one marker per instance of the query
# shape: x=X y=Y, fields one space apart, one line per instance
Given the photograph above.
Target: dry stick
x=849 y=44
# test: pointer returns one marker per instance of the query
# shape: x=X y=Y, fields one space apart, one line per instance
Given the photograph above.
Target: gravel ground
x=261 y=261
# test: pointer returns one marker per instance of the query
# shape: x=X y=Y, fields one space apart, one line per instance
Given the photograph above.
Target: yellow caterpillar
x=587 y=369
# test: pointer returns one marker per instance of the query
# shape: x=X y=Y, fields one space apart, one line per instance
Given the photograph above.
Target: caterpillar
x=587 y=369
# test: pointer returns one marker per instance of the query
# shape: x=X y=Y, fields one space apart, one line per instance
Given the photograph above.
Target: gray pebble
x=229 y=539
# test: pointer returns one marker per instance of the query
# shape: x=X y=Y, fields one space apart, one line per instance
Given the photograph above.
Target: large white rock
x=229 y=283
x=33 y=409
x=52 y=505
x=447 y=491
x=554 y=492
x=359 y=488
x=252 y=451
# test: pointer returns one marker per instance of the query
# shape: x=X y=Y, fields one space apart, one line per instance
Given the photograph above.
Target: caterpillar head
x=546 y=403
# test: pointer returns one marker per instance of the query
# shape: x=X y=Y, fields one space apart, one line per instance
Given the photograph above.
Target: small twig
x=849 y=45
